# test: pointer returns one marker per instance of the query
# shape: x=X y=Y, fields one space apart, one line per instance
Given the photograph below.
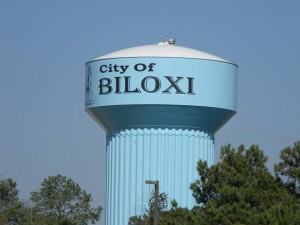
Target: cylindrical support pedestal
x=167 y=155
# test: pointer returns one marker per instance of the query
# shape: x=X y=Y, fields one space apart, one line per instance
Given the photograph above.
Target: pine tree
x=288 y=170
x=240 y=190
x=60 y=198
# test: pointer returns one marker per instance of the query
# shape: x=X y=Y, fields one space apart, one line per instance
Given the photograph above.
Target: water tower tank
x=160 y=106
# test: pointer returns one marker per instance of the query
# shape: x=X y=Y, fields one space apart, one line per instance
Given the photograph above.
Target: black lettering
x=136 y=67
x=103 y=68
x=127 y=86
x=123 y=68
x=118 y=85
x=116 y=68
x=191 y=86
x=174 y=84
x=150 y=66
x=156 y=86
x=105 y=83
x=109 y=68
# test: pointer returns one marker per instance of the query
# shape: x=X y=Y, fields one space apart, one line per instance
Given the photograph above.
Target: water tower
x=160 y=106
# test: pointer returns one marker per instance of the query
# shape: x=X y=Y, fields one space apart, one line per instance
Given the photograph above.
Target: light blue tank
x=161 y=106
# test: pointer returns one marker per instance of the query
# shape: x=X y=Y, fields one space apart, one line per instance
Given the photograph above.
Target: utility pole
x=156 y=191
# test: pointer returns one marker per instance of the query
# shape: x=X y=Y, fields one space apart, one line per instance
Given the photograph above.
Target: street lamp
x=156 y=191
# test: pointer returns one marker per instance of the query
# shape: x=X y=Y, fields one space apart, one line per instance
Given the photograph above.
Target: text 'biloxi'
x=129 y=83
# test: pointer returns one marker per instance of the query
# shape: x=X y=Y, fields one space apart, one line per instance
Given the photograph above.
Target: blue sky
x=44 y=130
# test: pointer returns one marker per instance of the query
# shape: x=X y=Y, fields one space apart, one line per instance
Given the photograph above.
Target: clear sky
x=44 y=130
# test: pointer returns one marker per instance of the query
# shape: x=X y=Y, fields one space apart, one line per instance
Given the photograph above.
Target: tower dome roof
x=164 y=50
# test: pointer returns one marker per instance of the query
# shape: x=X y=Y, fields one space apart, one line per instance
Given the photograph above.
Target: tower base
x=167 y=155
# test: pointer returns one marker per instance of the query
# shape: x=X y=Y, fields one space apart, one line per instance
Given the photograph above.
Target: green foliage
x=288 y=170
x=288 y=174
x=148 y=217
x=139 y=220
x=10 y=206
x=162 y=203
x=240 y=190
x=182 y=216
x=66 y=221
x=174 y=216
x=60 y=199
x=32 y=216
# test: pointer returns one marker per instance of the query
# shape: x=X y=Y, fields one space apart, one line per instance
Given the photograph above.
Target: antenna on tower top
x=170 y=41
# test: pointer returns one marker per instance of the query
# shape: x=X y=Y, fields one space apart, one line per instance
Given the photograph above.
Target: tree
x=240 y=190
x=288 y=170
x=10 y=206
x=237 y=190
x=148 y=217
x=61 y=199
x=182 y=216
x=66 y=221
x=174 y=216
x=162 y=203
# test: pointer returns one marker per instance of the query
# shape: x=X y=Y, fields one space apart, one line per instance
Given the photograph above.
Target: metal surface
x=167 y=155
x=173 y=51
x=171 y=41
x=161 y=106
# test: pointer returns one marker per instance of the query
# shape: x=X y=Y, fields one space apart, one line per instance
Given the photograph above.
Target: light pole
x=156 y=191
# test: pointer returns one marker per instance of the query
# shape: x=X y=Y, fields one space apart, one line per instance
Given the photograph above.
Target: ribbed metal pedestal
x=167 y=155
